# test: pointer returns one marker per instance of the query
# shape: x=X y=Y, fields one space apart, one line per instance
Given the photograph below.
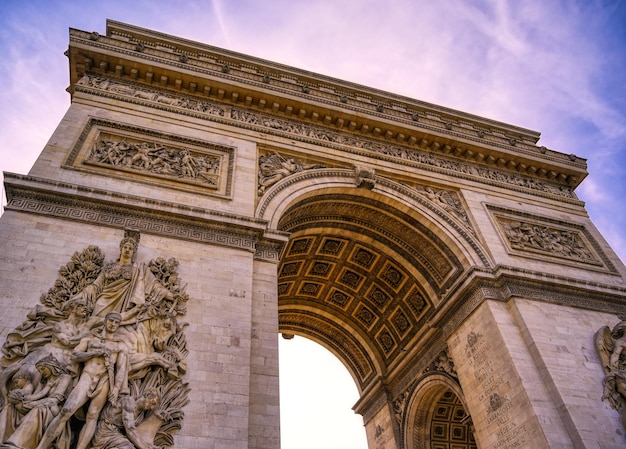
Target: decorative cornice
x=139 y=54
x=504 y=283
x=269 y=251
x=159 y=47
x=270 y=75
x=75 y=203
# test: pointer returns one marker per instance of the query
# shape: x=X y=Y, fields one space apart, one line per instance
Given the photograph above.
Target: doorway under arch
x=437 y=417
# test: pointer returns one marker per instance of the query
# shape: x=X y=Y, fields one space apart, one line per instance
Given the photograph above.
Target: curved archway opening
x=316 y=396
x=361 y=277
x=437 y=417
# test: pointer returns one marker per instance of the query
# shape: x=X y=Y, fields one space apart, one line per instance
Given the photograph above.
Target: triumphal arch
x=200 y=202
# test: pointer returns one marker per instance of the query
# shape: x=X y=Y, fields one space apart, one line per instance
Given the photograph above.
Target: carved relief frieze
x=156 y=159
x=143 y=93
x=342 y=140
x=533 y=237
x=253 y=74
x=153 y=156
x=100 y=361
x=528 y=235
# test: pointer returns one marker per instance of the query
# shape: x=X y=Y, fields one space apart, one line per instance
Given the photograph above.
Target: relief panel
x=544 y=238
x=121 y=150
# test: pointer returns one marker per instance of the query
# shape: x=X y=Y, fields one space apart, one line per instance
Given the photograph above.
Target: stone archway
x=434 y=242
x=364 y=269
x=437 y=416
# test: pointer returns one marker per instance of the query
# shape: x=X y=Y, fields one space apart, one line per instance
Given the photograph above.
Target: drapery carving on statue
x=611 y=347
x=157 y=160
x=102 y=337
x=274 y=167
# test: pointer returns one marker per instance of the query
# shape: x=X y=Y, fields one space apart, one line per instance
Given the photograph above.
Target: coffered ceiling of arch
x=448 y=428
x=364 y=268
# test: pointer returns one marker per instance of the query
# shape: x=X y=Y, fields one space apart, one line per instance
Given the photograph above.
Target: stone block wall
x=531 y=376
x=231 y=332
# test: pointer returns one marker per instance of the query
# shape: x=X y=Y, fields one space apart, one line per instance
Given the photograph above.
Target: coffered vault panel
x=376 y=270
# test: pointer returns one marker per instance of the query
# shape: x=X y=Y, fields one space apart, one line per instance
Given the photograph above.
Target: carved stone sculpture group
x=528 y=236
x=99 y=362
x=611 y=347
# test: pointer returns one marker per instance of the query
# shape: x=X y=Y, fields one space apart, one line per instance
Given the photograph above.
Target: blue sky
x=555 y=66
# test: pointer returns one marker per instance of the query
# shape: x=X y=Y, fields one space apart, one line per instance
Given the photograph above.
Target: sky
x=557 y=67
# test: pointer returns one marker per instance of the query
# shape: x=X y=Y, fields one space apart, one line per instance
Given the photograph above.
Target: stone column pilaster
x=264 y=427
x=507 y=398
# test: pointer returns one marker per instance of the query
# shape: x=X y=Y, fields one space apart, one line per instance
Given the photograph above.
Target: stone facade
x=443 y=257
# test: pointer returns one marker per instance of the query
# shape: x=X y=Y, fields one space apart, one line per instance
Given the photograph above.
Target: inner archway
x=361 y=274
x=437 y=416
x=450 y=425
